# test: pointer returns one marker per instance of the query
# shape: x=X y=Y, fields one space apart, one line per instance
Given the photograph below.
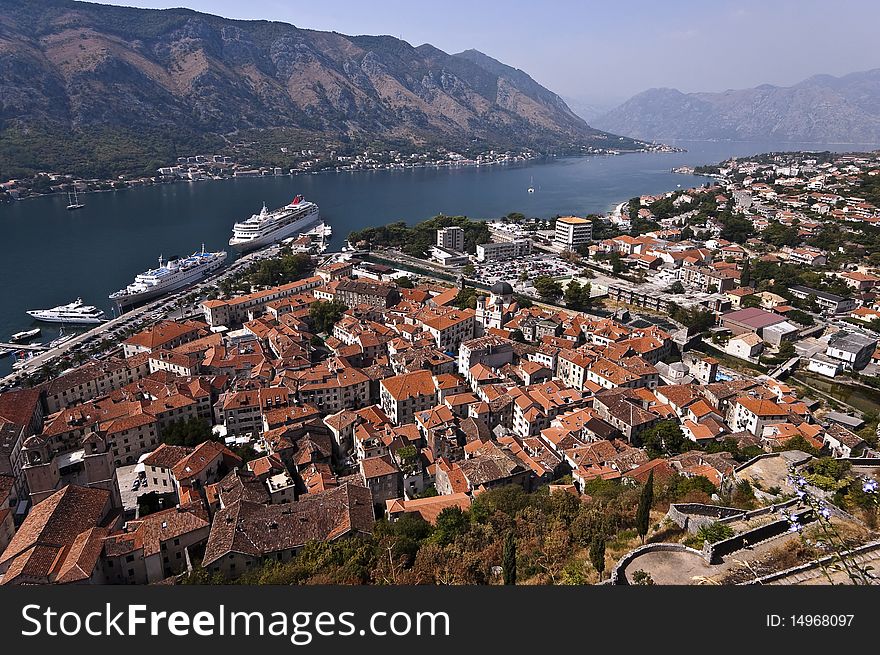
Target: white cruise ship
x=75 y=313
x=170 y=276
x=270 y=227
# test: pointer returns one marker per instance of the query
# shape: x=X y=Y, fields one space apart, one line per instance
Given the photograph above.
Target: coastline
x=155 y=181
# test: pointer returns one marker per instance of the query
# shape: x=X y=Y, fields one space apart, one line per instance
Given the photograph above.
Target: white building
x=504 y=250
x=451 y=238
x=572 y=232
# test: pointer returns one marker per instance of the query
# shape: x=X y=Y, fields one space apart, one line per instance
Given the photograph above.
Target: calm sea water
x=51 y=256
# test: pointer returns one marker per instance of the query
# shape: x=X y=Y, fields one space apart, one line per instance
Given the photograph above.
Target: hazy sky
x=603 y=52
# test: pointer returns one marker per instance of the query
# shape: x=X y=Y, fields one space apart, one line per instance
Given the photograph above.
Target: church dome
x=501 y=288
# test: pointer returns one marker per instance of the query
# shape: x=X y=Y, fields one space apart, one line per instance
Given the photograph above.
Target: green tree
x=646 y=500
x=663 y=438
x=468 y=270
x=577 y=296
x=508 y=558
x=548 y=288
x=597 y=554
x=466 y=298
x=451 y=522
x=676 y=287
x=325 y=314
x=404 y=282
x=745 y=275
x=786 y=350
x=642 y=578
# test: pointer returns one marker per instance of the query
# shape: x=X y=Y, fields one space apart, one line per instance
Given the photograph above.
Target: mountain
x=125 y=83
x=821 y=109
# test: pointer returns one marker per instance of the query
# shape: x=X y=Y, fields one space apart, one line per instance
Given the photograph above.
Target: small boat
x=24 y=335
x=532 y=184
x=62 y=338
x=73 y=203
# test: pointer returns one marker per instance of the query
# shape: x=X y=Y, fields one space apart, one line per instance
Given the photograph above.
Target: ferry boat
x=269 y=227
x=24 y=335
x=76 y=312
x=169 y=276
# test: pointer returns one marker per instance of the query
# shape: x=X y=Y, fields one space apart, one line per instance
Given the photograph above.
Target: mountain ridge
x=179 y=77
x=819 y=109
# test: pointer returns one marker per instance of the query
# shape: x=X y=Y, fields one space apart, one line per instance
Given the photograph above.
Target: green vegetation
x=288 y=267
x=646 y=500
x=416 y=240
x=325 y=314
x=714 y=532
x=577 y=296
x=663 y=438
x=597 y=554
x=735 y=228
x=696 y=319
x=508 y=558
x=97 y=151
x=828 y=474
x=642 y=578
x=553 y=536
x=548 y=288
x=186 y=432
x=466 y=298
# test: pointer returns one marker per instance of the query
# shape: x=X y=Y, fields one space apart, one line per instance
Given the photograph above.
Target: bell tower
x=40 y=469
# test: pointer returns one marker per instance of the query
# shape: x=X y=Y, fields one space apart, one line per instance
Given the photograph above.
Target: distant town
x=681 y=391
x=222 y=166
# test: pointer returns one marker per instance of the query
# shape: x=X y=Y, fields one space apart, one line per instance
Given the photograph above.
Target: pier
x=24 y=346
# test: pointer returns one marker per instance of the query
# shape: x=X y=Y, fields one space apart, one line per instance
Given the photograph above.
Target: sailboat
x=73 y=203
x=532 y=184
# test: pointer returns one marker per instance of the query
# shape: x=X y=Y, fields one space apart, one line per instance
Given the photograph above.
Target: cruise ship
x=75 y=313
x=270 y=227
x=169 y=276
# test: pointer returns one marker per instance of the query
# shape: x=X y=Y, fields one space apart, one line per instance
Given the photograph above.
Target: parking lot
x=529 y=268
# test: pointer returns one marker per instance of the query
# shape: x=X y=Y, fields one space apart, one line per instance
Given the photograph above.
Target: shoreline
x=384 y=169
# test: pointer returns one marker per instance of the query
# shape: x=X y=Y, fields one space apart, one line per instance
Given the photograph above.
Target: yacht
x=76 y=312
x=169 y=276
x=24 y=335
x=269 y=227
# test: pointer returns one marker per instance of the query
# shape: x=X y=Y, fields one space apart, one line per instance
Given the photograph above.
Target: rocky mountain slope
x=174 y=76
x=821 y=109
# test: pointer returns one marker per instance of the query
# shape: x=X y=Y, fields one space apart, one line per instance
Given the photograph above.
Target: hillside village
x=363 y=424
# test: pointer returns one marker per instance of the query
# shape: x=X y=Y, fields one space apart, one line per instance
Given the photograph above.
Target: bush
x=715 y=532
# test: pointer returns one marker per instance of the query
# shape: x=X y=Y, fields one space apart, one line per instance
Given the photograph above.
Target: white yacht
x=169 y=276
x=73 y=313
x=269 y=227
x=24 y=335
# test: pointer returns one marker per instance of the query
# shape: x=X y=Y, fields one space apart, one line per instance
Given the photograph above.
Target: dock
x=23 y=346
